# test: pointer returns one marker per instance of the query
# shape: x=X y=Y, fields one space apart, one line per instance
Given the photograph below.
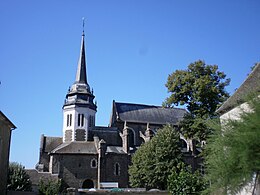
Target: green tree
x=195 y=127
x=153 y=161
x=182 y=181
x=50 y=187
x=18 y=179
x=202 y=89
x=233 y=152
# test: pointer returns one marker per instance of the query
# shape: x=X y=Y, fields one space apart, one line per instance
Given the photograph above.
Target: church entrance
x=88 y=183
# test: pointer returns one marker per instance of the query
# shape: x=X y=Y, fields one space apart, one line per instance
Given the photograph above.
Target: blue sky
x=131 y=46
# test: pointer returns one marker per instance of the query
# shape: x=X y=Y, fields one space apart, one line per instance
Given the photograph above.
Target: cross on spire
x=83 y=25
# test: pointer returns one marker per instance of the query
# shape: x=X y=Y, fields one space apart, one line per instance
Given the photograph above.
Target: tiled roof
x=78 y=147
x=250 y=86
x=148 y=114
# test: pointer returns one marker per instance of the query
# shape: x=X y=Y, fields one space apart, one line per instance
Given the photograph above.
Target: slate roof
x=140 y=113
x=105 y=129
x=81 y=76
x=115 y=149
x=77 y=147
x=110 y=134
x=49 y=143
x=249 y=86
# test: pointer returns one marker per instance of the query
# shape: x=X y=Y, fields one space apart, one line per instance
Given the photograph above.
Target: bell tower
x=79 y=109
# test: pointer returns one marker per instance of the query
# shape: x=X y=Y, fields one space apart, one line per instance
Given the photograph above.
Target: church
x=90 y=156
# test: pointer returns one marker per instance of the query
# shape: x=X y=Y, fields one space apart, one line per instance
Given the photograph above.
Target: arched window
x=93 y=163
x=117 y=169
x=131 y=138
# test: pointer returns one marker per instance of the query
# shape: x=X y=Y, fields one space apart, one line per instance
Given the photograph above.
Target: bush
x=182 y=181
x=18 y=179
x=51 y=187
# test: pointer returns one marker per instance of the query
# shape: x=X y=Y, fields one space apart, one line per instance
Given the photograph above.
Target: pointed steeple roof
x=81 y=76
x=79 y=93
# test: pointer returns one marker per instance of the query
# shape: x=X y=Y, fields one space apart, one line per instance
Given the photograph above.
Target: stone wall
x=123 y=160
x=76 y=168
x=5 y=135
x=36 y=176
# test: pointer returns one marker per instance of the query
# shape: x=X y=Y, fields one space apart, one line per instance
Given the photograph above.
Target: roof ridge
x=150 y=105
x=135 y=104
x=239 y=91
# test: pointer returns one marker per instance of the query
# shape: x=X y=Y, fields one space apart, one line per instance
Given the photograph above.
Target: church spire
x=79 y=109
x=81 y=76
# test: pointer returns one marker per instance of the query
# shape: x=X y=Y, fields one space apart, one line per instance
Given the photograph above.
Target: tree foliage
x=233 y=152
x=182 y=181
x=18 y=179
x=195 y=127
x=159 y=164
x=201 y=87
x=50 y=187
x=153 y=161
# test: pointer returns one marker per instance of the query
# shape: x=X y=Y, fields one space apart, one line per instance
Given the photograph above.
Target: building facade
x=6 y=127
x=90 y=156
x=235 y=106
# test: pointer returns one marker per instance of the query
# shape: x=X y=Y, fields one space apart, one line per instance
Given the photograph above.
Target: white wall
x=74 y=110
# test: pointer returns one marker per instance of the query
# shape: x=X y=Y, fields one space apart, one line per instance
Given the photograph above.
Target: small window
x=93 y=163
x=117 y=169
x=68 y=123
x=78 y=119
x=82 y=120
x=70 y=119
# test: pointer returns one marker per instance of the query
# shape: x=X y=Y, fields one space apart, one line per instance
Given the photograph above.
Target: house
x=237 y=104
x=6 y=127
